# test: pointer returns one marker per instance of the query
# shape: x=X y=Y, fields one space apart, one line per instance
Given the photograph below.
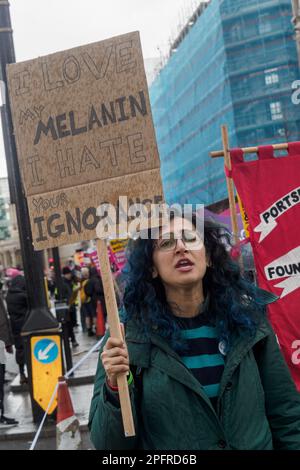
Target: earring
x=154 y=273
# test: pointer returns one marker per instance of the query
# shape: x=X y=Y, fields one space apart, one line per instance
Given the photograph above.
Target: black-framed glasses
x=190 y=238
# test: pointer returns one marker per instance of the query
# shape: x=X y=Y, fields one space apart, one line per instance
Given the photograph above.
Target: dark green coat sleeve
x=282 y=399
x=105 y=420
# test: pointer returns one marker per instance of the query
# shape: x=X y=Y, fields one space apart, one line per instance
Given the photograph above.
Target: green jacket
x=258 y=406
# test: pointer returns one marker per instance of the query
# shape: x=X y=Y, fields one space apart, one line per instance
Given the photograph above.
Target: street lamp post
x=62 y=309
x=39 y=318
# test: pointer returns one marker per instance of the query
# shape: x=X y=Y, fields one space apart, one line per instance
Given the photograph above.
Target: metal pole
x=63 y=318
x=39 y=318
x=32 y=261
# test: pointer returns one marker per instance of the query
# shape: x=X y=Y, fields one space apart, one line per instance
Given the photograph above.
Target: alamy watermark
x=296 y=94
x=296 y=353
x=144 y=220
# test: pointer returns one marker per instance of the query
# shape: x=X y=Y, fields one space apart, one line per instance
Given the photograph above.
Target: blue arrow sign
x=46 y=351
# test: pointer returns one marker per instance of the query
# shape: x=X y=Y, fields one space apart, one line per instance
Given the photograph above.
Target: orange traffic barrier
x=67 y=425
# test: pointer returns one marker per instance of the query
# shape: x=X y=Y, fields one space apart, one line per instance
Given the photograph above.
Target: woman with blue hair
x=204 y=367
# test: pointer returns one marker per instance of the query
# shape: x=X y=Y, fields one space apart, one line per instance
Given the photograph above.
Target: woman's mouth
x=184 y=265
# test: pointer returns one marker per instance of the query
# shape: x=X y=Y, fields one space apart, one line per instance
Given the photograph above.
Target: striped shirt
x=202 y=355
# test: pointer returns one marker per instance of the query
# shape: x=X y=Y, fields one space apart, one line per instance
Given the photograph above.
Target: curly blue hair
x=234 y=305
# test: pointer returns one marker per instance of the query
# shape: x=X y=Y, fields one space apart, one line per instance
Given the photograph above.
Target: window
x=265 y=28
x=264 y=25
x=276 y=110
x=271 y=76
x=236 y=33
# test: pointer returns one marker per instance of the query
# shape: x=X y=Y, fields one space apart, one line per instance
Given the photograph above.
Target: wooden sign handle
x=115 y=331
x=230 y=188
x=229 y=181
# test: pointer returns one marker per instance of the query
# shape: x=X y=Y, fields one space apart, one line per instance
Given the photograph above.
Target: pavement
x=18 y=403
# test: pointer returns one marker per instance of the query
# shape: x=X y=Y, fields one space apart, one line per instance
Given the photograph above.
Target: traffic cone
x=67 y=425
x=100 y=325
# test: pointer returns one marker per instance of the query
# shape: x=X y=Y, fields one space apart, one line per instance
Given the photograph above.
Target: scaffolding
x=296 y=21
x=234 y=64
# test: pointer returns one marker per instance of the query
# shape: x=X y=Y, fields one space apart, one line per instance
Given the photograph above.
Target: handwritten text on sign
x=85 y=136
x=82 y=115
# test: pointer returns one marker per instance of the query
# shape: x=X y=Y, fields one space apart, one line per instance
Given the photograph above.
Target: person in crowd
x=88 y=313
x=17 y=306
x=204 y=368
x=94 y=290
x=6 y=345
x=11 y=273
x=51 y=283
x=76 y=280
x=71 y=264
x=85 y=274
x=68 y=295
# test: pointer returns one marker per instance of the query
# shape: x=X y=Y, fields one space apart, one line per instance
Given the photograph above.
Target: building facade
x=234 y=64
x=10 y=253
x=4 y=209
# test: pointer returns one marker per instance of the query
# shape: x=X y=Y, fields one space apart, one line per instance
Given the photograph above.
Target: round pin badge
x=222 y=348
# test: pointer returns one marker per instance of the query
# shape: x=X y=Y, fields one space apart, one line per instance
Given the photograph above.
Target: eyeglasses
x=190 y=238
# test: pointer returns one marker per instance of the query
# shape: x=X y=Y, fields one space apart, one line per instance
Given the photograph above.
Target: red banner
x=270 y=190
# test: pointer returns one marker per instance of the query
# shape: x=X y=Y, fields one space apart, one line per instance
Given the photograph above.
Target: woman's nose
x=180 y=246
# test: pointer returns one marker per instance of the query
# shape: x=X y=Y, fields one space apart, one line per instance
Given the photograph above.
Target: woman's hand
x=115 y=358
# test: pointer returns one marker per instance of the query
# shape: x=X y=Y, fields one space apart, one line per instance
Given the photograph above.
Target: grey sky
x=45 y=26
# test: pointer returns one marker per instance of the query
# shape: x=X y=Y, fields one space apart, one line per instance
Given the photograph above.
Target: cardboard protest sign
x=274 y=213
x=69 y=216
x=84 y=134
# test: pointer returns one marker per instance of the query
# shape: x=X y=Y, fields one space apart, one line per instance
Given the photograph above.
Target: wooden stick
x=115 y=331
x=220 y=153
x=229 y=181
x=116 y=287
